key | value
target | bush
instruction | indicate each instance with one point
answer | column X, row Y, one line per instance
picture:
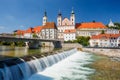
column 83, row 40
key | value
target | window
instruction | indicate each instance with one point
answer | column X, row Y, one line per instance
column 65, row 23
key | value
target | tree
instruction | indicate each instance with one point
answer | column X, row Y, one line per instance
column 83, row 40
column 35, row 36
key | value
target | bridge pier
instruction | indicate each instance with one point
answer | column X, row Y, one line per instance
column 34, row 44
column 57, row 44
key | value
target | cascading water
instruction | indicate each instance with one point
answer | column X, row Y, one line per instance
column 18, row 69
column 71, row 68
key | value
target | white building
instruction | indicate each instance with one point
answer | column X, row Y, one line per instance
column 28, row 33
column 49, row 31
column 105, row 40
column 37, row 31
column 112, row 31
column 65, row 24
column 70, row 35
column 90, row 28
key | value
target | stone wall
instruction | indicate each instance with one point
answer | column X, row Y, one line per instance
column 107, row 52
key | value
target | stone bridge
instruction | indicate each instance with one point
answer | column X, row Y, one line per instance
column 33, row 42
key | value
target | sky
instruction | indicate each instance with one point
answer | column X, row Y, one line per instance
column 22, row 14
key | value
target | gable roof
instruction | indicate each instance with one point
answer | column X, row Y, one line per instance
column 90, row 25
column 37, row 29
column 66, row 22
column 49, row 25
column 29, row 30
column 20, row 32
column 105, row 36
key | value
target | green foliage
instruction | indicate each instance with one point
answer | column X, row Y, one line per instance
column 117, row 26
column 35, row 36
column 83, row 40
column 74, row 41
column 20, row 43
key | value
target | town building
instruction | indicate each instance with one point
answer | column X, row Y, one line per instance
column 70, row 35
column 112, row 31
column 105, row 40
column 89, row 28
column 19, row 33
column 28, row 33
column 37, row 31
column 65, row 24
column 49, row 31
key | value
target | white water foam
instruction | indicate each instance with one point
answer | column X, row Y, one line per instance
column 71, row 68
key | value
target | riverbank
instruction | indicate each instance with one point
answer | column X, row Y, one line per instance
column 101, row 51
column 105, row 68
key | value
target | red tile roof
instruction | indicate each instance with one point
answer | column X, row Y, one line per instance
column 105, row 36
column 29, row 30
column 70, row 31
column 90, row 25
column 37, row 29
column 49, row 25
column 20, row 32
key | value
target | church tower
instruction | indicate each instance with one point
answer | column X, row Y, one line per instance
column 44, row 18
column 111, row 24
column 59, row 19
column 72, row 17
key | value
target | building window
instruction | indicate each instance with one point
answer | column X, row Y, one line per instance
column 72, row 19
column 65, row 23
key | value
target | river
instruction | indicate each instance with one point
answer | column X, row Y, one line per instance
column 7, row 51
column 67, row 65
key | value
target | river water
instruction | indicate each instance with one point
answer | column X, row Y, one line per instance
column 71, row 68
column 7, row 51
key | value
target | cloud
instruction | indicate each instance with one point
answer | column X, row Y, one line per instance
column 22, row 26
column 10, row 17
column 2, row 27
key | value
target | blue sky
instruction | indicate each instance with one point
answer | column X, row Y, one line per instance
column 21, row 14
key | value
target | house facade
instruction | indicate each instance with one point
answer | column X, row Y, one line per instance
column 70, row 35
column 90, row 28
column 49, row 31
column 105, row 40
column 112, row 31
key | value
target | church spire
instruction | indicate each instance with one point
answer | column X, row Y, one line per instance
column 59, row 13
column 72, row 17
column 111, row 24
column 59, row 18
column 72, row 11
column 45, row 18
column 45, row 13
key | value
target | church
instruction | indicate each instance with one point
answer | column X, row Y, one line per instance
column 66, row 27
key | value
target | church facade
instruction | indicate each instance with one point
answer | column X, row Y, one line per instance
column 64, row 24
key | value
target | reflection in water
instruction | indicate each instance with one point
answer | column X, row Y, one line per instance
column 22, row 51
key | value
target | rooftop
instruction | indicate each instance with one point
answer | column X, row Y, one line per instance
column 105, row 36
column 89, row 25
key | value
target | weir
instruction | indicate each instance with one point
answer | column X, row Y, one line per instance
column 21, row 69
